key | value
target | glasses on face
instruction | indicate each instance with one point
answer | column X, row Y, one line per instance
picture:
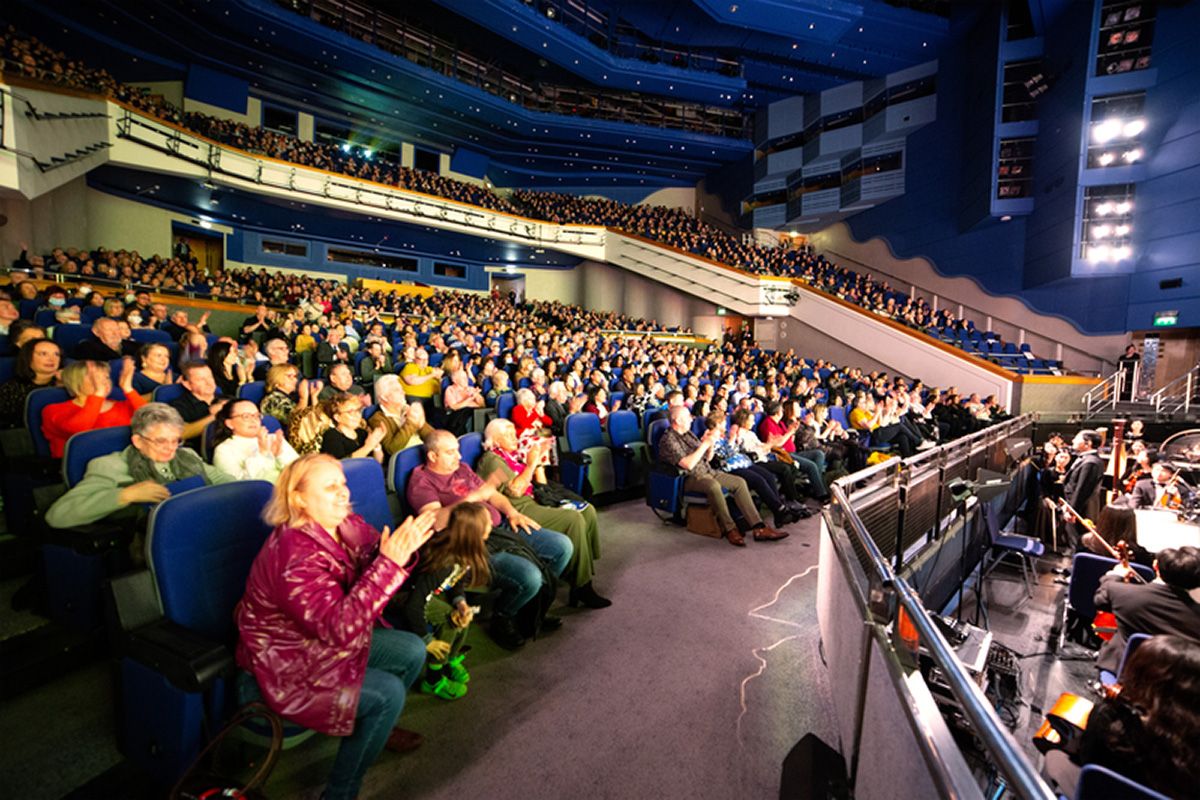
column 246, row 415
column 350, row 410
column 167, row 441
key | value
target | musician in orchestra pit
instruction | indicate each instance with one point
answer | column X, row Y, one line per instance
column 1168, row 604
column 1117, row 523
column 1081, row 488
column 1137, row 465
column 1149, row 731
column 1161, row 489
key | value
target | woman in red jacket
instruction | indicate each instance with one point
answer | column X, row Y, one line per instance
column 89, row 383
column 307, row 621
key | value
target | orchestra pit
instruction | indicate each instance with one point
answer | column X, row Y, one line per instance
column 596, row 398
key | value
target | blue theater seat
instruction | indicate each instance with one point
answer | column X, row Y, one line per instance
column 254, row 391
column 630, row 452
column 176, row 670
column 400, row 467
column 664, row 483
column 470, row 445
column 585, row 437
column 1086, row 571
column 1100, row 783
column 368, row 494
column 35, row 403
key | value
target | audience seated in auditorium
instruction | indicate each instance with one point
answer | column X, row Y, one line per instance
column 154, row 368
column 226, row 365
column 37, row 366
column 1148, row 728
column 287, row 394
column 522, row 478
column 199, row 403
column 308, row 622
column 526, row 558
column 340, row 380
column 728, row 457
column 403, row 423
column 742, row 438
column 460, row 401
column 1169, row 604
column 376, row 362
column 128, row 482
column 421, row 381
column 680, row 448
column 242, row 446
column 433, row 604
column 89, row 383
column 105, row 343
column 781, row 439
column 349, row 436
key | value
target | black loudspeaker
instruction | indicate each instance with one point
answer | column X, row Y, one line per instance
column 813, row 770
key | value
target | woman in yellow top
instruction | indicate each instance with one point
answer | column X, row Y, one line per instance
column 305, row 340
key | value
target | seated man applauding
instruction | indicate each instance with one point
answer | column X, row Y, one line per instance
column 526, row 558
column 680, row 447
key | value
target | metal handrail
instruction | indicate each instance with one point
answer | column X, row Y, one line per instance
column 1189, row 382
column 1021, row 774
column 1104, row 394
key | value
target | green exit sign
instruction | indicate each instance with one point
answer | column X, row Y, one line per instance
column 1165, row 319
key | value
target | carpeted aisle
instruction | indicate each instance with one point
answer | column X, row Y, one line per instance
column 642, row 699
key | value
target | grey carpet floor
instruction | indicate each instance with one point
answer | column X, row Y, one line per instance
column 695, row 683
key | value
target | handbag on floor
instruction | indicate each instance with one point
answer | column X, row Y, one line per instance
column 205, row 780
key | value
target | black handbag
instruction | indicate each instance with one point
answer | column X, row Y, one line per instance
column 204, row 781
column 554, row 494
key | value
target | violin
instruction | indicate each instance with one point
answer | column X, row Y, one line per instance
column 1067, row 719
column 1170, row 499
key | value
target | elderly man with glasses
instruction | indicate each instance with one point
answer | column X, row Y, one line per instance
column 125, row 484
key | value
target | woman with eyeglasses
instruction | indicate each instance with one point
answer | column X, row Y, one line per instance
column 129, row 482
column 350, row 437
column 242, row 446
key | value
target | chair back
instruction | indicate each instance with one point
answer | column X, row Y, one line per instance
column 1086, row 571
column 364, row 478
column 647, row 414
column 35, row 403
column 8, row 367
column 86, row 445
column 654, row 436
column 470, row 445
column 623, row 428
column 505, row 403
column 151, row 335
column 200, row 547
column 254, row 392
column 583, row 431
column 1100, row 783
column 1135, row 641
column 69, row 336
column 401, row 467
column 168, row 393
column 838, row 415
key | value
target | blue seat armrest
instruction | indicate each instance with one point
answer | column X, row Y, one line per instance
column 671, row 470
column 575, row 458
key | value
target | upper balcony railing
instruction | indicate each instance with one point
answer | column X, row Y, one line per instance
column 404, row 39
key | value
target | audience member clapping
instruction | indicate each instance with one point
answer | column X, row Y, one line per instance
column 242, row 446
column 89, row 383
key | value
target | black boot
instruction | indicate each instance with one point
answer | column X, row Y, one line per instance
column 504, row 633
column 586, row 596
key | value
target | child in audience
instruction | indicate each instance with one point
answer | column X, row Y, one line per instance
column 432, row 603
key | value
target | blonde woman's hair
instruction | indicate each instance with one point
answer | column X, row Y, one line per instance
column 492, row 431
column 282, row 509
column 276, row 374
column 73, row 375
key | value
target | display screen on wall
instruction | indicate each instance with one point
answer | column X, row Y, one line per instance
column 295, row 249
column 449, row 270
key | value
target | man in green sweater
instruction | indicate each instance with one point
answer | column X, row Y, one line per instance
column 125, row 484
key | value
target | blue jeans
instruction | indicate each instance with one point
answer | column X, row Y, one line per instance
column 397, row 658
column 517, row 579
column 812, row 464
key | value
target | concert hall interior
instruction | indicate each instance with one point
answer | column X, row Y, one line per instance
column 598, row 398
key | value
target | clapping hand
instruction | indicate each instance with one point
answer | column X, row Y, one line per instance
column 399, row 546
column 125, row 381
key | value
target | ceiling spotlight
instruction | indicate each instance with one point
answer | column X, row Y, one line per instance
column 1121, row 253
column 1006, row 218
column 1107, row 130
column 1101, row 231
column 1124, row 207
column 1133, row 155
column 1134, row 127
column 1098, row 252
column 1121, row 230
column 1106, row 159
column 1104, row 209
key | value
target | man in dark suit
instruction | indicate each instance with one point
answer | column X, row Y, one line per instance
column 104, row 344
column 1081, row 488
column 1158, row 491
column 1166, row 605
